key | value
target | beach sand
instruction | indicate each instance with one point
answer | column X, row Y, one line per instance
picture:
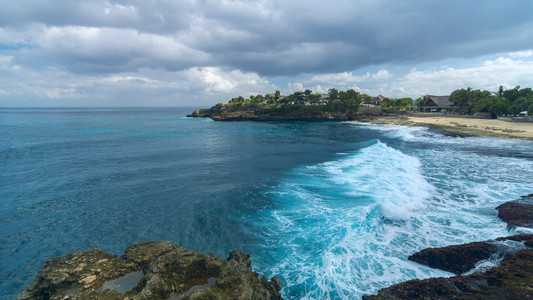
column 465, row 126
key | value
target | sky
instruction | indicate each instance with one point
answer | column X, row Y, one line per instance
column 196, row 53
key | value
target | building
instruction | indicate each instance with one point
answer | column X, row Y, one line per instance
column 436, row 104
column 376, row 101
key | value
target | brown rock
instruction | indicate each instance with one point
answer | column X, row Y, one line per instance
column 456, row 258
column 517, row 213
column 150, row 270
column 513, row 279
column 516, row 238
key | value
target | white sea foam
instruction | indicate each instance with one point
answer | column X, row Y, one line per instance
column 384, row 174
column 344, row 228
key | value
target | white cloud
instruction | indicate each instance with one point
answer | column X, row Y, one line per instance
column 294, row 87
column 216, row 80
column 347, row 78
column 527, row 53
column 381, row 75
column 488, row 75
column 129, row 79
column 195, row 86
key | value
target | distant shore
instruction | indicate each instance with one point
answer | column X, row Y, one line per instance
column 449, row 124
column 464, row 126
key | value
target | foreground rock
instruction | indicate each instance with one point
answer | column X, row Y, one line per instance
column 150, row 270
column 517, row 213
column 513, row 279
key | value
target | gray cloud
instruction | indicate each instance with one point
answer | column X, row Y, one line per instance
column 268, row 37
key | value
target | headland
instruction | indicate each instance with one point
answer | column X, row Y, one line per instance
column 465, row 112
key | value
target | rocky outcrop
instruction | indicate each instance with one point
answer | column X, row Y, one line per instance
column 150, row 270
column 254, row 112
column 459, row 259
column 456, row 258
column 513, row 279
column 517, row 213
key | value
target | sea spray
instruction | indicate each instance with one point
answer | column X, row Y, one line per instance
column 384, row 174
column 337, row 220
column 344, row 228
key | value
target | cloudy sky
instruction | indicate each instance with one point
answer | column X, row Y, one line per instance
column 199, row 52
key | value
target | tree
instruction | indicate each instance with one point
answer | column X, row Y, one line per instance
column 388, row 102
column 314, row 98
column 277, row 95
column 500, row 92
column 404, row 103
column 353, row 100
column 499, row 108
column 343, row 96
column 460, row 98
column 419, row 102
column 512, row 94
column 366, row 98
column 257, row 99
column 269, row 99
column 333, row 94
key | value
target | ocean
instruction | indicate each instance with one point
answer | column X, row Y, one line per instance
column 333, row 209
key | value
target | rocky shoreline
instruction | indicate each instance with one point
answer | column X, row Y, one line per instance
column 150, row 270
column 495, row 269
column 450, row 125
column 477, row 278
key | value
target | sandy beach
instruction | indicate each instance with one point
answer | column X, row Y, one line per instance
column 465, row 126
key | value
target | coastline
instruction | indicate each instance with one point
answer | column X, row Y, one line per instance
column 462, row 126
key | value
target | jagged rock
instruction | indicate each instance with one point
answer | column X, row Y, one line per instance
column 456, row 258
column 517, row 213
column 516, row 238
column 513, row 279
column 150, row 270
column 459, row 259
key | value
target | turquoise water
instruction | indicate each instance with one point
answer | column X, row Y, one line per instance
column 333, row 209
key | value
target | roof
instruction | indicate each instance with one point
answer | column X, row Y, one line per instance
column 440, row 101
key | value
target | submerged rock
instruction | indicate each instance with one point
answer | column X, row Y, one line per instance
column 150, row 270
column 517, row 213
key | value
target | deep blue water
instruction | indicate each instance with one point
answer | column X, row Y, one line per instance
column 333, row 209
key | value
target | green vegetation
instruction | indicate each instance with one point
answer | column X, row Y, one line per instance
column 512, row 101
column 405, row 103
column 305, row 101
column 464, row 101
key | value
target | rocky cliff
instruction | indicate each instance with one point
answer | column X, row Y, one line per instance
column 150, row 270
column 251, row 112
